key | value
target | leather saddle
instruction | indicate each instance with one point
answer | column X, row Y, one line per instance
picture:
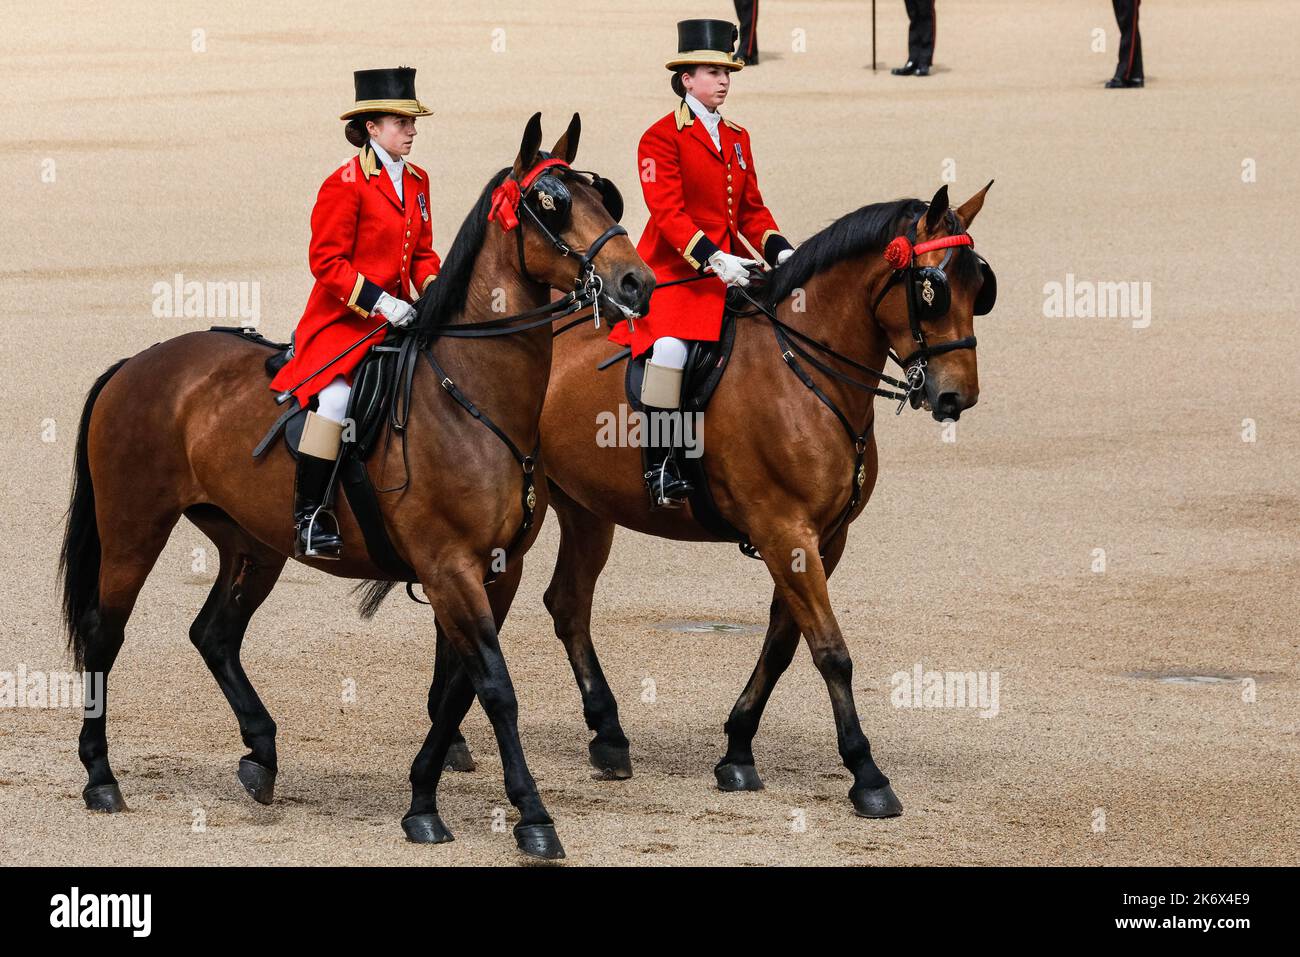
column 373, row 388
column 380, row 386
column 706, row 362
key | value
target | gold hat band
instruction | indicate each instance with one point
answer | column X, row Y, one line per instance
column 705, row 58
column 400, row 107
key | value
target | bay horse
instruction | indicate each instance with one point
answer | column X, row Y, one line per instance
column 789, row 449
column 168, row 433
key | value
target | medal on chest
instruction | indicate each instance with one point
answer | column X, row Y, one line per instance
column 424, row 207
column 740, row 157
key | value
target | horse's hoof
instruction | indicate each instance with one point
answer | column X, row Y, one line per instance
column 738, row 777
column 458, row 758
column 876, row 802
column 426, row 828
column 540, row 841
column 611, row 762
column 106, row 798
column 258, row 780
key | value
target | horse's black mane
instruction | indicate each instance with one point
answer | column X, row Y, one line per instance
column 867, row 229
column 446, row 296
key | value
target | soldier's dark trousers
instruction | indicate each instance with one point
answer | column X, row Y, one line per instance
column 747, row 14
column 1130, row 40
column 921, row 31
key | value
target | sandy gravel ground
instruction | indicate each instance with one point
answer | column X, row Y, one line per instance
column 975, row 555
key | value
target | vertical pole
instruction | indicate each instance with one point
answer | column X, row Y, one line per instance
column 873, row 36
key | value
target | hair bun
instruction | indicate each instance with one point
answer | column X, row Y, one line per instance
column 356, row 133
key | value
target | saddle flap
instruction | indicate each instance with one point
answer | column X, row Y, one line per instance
column 293, row 428
column 368, row 401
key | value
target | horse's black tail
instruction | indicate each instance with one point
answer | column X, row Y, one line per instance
column 373, row 594
column 79, row 557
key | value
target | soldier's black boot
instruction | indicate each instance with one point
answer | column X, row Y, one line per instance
column 661, row 394
column 662, row 478
column 316, row 530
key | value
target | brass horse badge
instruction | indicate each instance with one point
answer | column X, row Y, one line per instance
column 547, row 201
column 927, row 292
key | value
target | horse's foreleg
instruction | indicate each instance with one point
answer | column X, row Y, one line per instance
column 800, row 579
column 736, row 771
column 450, row 696
column 461, row 605
column 249, row 570
column 501, row 593
column 585, row 542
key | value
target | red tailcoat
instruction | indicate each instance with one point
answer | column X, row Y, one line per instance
column 700, row 200
column 363, row 242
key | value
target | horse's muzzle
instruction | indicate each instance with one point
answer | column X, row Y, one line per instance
column 949, row 405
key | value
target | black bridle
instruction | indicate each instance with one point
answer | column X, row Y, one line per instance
column 512, row 197
column 587, row 290
column 928, row 296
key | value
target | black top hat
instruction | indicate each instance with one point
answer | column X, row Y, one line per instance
column 386, row 91
column 707, row 42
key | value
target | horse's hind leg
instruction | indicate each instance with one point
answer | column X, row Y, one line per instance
column 249, row 570
column 128, row 551
column 450, row 697
column 585, row 542
column 736, row 771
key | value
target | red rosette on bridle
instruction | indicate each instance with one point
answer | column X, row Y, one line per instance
column 505, row 203
column 899, row 253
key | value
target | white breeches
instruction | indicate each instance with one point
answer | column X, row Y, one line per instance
column 669, row 352
column 334, row 399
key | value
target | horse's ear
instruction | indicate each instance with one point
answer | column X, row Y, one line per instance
column 528, row 146
column 566, row 147
column 967, row 211
column 938, row 206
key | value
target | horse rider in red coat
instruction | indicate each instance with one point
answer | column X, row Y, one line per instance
column 371, row 243
column 701, row 187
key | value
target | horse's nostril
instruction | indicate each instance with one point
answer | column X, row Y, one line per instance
column 630, row 286
column 948, row 402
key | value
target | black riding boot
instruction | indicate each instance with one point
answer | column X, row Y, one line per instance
column 316, row 530
column 659, row 459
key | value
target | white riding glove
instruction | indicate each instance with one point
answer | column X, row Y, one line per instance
column 400, row 314
column 732, row 270
column 783, row 255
